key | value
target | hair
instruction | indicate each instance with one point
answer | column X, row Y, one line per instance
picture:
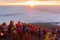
column 11, row 22
column 4, row 24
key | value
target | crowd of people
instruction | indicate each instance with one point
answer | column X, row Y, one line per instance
column 29, row 32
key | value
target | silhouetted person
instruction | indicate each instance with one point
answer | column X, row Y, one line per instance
column 11, row 27
column 5, row 27
column 1, row 28
column 20, row 30
column 12, row 30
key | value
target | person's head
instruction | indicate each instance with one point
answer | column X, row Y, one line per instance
column 3, row 24
column 24, row 24
column 11, row 22
column 18, row 21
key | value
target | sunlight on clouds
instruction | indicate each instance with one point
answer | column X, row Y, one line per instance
column 24, row 0
column 32, row 3
column 12, row 0
column 29, row 2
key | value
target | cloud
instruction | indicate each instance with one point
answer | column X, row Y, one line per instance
column 48, row 0
column 12, row 0
column 24, row 0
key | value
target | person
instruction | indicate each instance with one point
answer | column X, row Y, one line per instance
column 1, row 28
column 19, row 27
column 5, row 27
column 18, row 24
column 58, row 34
column 20, row 30
column 53, row 31
column 42, row 33
column 48, row 36
column 55, row 34
column 24, row 27
column 11, row 27
column 12, row 30
column 38, row 33
column 27, row 29
column 32, row 28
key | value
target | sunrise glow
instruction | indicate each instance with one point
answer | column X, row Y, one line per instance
column 32, row 3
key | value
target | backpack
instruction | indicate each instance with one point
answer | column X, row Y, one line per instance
column 27, row 29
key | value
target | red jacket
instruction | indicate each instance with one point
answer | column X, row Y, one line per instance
column 18, row 25
column 32, row 28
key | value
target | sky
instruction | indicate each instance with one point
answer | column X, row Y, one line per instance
column 30, row 2
column 12, row 0
column 33, row 3
column 24, row 0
